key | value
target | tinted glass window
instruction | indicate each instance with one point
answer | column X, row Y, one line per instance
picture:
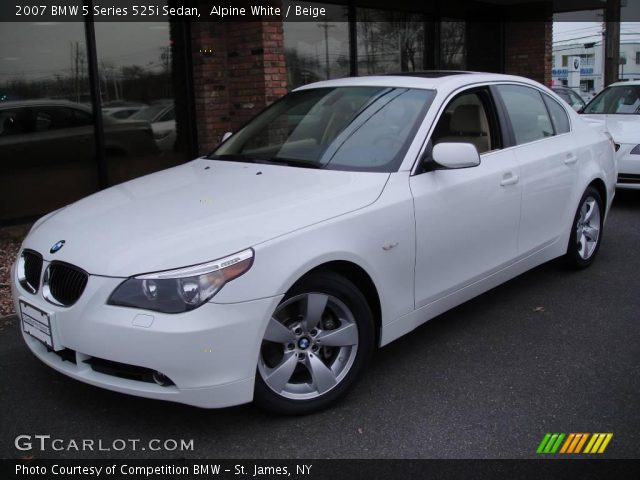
column 465, row 120
column 347, row 128
column 623, row 99
column 527, row 112
column 389, row 41
column 136, row 61
column 576, row 100
column 43, row 165
column 316, row 49
column 558, row 115
column 14, row 121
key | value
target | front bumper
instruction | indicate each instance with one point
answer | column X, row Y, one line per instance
column 628, row 168
column 210, row 354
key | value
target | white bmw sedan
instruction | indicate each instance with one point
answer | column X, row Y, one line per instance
column 617, row 108
column 337, row 220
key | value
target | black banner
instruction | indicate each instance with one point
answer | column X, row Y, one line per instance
column 322, row 469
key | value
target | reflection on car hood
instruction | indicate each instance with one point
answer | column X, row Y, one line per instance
column 623, row 128
column 197, row 212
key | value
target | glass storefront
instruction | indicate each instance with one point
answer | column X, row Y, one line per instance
column 453, row 51
column 368, row 41
column 47, row 144
column 389, row 41
column 48, row 137
column 317, row 51
column 136, row 83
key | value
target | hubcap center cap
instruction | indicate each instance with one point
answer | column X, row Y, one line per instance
column 304, row 343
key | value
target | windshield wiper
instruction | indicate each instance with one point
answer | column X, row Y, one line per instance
column 232, row 158
column 292, row 162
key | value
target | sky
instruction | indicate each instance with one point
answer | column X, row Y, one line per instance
column 585, row 32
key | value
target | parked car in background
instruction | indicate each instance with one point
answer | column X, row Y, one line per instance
column 162, row 117
column 617, row 107
column 57, row 131
column 337, row 220
column 121, row 113
column 570, row 96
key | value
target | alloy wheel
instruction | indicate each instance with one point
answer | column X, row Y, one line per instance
column 309, row 346
column 588, row 228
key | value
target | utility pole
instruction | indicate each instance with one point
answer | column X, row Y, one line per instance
column 612, row 42
column 326, row 26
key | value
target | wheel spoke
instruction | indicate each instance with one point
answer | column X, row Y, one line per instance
column 278, row 333
column 591, row 233
column 316, row 303
column 583, row 212
column 583, row 247
column 590, row 204
column 340, row 337
column 279, row 376
column 323, row 377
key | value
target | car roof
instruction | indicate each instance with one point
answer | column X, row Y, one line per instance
column 42, row 103
column 433, row 80
column 628, row 82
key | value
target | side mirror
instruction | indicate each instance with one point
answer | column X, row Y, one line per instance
column 226, row 135
column 456, row 155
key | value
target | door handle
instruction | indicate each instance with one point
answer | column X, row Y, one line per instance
column 509, row 179
column 570, row 159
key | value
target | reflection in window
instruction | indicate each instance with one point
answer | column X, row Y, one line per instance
column 453, row 45
column 389, row 41
column 529, row 116
column 137, row 86
column 317, row 51
column 47, row 146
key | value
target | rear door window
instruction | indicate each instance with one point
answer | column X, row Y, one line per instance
column 527, row 112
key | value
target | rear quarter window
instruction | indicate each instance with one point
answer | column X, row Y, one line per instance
column 527, row 112
column 558, row 114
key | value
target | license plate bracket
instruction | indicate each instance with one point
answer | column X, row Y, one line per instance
column 38, row 324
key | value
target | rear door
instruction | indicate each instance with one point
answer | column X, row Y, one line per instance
column 548, row 159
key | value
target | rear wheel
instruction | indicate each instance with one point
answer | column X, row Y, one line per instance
column 316, row 344
column 586, row 231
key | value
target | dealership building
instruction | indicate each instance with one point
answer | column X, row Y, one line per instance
column 89, row 104
column 591, row 65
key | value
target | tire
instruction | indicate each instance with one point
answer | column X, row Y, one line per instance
column 586, row 230
column 316, row 345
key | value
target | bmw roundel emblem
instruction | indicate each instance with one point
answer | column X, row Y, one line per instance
column 57, row 246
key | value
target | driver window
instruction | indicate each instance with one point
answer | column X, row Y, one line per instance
column 465, row 120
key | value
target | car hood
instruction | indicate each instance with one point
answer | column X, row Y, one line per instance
column 197, row 212
column 623, row 128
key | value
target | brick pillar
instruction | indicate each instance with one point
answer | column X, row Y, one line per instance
column 528, row 49
column 239, row 69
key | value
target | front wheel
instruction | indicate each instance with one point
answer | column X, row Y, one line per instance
column 316, row 344
column 586, row 231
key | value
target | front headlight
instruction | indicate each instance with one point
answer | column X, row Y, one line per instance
column 183, row 289
column 635, row 150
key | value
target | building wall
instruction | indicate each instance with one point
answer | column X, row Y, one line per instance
column 528, row 49
column 238, row 69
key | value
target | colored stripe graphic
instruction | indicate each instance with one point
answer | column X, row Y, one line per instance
column 597, row 443
column 550, row 443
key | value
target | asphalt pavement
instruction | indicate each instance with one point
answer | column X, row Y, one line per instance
column 550, row 351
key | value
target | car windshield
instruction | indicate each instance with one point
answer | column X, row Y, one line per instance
column 342, row 128
column 148, row 113
column 622, row 99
